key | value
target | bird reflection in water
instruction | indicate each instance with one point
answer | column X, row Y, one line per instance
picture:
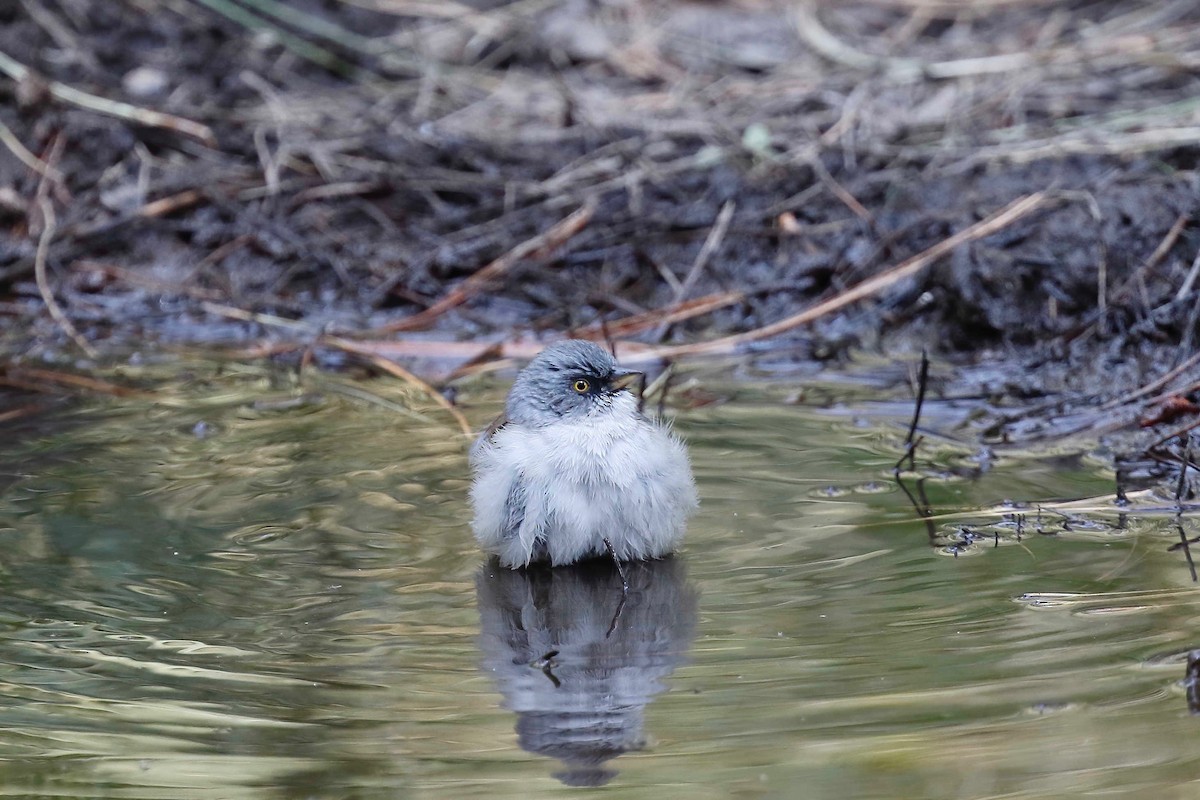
column 578, row 661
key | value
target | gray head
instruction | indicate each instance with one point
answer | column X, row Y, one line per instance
column 573, row 378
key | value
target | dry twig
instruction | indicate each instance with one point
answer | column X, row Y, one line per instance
column 113, row 108
column 392, row 368
column 1155, row 385
column 27, row 158
column 85, row 382
column 543, row 244
column 996, row 222
column 685, row 310
column 49, row 225
column 712, row 243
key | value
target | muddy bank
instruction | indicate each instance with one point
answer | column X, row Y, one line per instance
column 260, row 175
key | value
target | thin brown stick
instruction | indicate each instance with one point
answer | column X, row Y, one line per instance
column 170, row 204
column 637, row 351
column 263, row 350
column 1191, row 426
column 392, row 368
column 1137, row 279
column 1158, row 255
column 479, row 367
column 27, row 158
column 685, row 310
column 447, row 350
column 151, row 210
column 1160, row 252
column 840, row 192
column 541, row 245
column 329, row 191
column 232, row 312
column 49, row 225
column 993, row 224
column 712, row 243
column 79, row 381
column 217, row 255
column 135, row 278
column 1126, row 144
column 1190, row 280
column 1153, row 385
column 113, row 108
column 21, row 411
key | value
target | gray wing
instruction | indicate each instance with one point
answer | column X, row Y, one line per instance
column 485, row 438
column 514, row 503
column 514, row 507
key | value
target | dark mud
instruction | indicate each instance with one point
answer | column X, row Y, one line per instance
column 353, row 166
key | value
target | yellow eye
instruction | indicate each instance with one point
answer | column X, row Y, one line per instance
column 581, row 386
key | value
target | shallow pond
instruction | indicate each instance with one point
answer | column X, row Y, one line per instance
column 233, row 590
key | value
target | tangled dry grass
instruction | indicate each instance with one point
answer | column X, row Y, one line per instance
column 452, row 181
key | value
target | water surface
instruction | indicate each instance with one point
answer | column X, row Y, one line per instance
column 227, row 593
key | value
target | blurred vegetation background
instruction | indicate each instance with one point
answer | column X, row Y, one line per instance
column 664, row 173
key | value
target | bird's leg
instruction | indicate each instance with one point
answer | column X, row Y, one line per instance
column 617, row 562
column 624, row 588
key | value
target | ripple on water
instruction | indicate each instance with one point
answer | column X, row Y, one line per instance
column 293, row 599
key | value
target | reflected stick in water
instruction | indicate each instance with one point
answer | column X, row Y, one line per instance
column 911, row 443
column 1186, row 545
column 577, row 683
column 919, row 501
column 922, row 508
column 1184, row 463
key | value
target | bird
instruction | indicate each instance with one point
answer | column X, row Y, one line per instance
column 573, row 470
